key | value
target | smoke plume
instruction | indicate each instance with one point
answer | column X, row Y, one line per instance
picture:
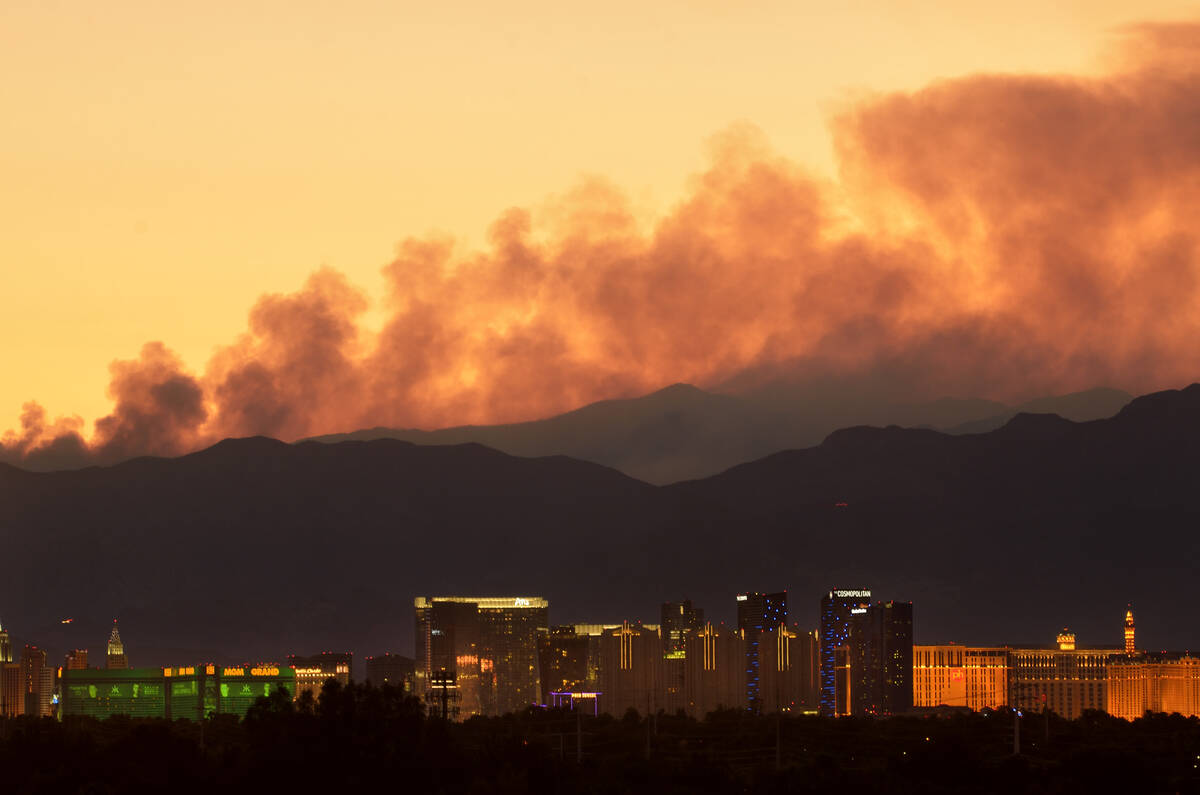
column 991, row 236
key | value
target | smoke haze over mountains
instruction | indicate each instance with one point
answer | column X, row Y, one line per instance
column 1002, row 237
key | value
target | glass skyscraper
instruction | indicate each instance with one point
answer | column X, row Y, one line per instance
column 837, row 608
column 490, row 643
column 881, row 659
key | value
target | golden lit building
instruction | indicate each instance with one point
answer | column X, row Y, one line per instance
column 12, row 694
column 788, row 671
column 115, row 660
column 1153, row 684
column 76, row 660
column 715, row 670
column 960, row 676
column 313, row 672
column 1130, row 645
column 1066, row 680
column 631, row 670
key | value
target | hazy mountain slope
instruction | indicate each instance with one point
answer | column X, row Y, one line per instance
column 257, row 548
column 684, row 433
column 236, row 547
column 1003, row 536
column 1093, row 404
column 676, row 433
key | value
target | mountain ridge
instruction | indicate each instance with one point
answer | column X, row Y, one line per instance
column 254, row 548
column 682, row 432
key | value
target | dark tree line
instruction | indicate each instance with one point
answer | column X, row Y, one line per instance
column 356, row 737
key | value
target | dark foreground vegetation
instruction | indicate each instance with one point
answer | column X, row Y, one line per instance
column 359, row 737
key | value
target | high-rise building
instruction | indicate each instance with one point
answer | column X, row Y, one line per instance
column 789, row 671
column 569, row 658
column 12, row 699
column 490, row 643
column 880, row 653
column 759, row 616
column 960, row 676
column 76, row 660
column 1130, row 645
column 313, row 671
column 12, row 691
column 563, row 656
column 715, row 670
column 37, row 682
column 837, row 607
column 678, row 619
column 392, row 669
column 116, row 659
column 631, row 669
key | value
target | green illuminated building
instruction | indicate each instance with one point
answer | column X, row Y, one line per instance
column 191, row 692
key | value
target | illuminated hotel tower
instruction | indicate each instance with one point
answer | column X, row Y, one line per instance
column 489, row 643
column 116, row 651
column 837, row 607
column 1129, row 645
column 759, row 617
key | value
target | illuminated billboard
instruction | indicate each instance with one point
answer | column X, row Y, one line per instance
column 191, row 692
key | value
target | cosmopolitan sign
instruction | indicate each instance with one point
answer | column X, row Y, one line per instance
column 852, row 594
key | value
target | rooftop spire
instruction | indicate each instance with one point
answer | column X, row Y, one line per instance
column 116, row 650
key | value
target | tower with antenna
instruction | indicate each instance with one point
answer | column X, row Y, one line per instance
column 116, row 651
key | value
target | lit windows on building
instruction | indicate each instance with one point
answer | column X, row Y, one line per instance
column 960, row 676
column 1065, row 679
column 1153, row 683
column 313, row 671
column 115, row 659
column 677, row 619
column 490, row 643
column 193, row 692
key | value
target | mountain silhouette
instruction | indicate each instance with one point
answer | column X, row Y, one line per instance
column 253, row 549
column 683, row 433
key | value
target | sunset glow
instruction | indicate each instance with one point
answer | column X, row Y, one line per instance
column 730, row 202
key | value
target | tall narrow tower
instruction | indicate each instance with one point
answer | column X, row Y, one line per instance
column 5, row 646
column 116, row 651
column 1129, row 644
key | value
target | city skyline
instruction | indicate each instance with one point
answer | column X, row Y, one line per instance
column 616, row 667
column 679, row 397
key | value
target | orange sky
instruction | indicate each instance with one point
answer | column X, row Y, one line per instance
column 165, row 165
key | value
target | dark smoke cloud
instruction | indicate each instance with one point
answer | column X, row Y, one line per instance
column 993, row 236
